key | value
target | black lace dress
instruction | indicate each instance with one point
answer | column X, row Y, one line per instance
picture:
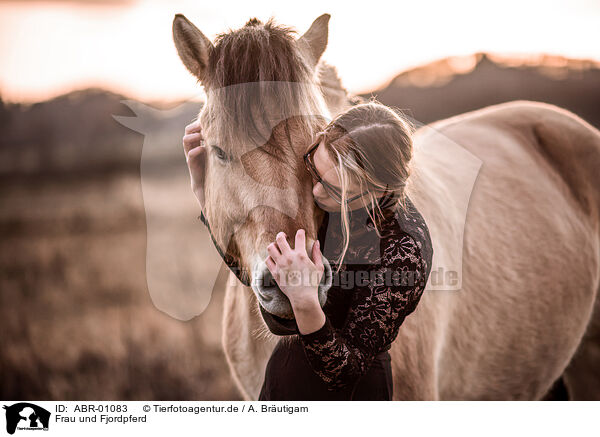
column 378, row 285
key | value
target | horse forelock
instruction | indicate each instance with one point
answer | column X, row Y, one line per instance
column 258, row 76
column 256, row 52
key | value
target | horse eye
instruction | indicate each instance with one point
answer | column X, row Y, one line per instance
column 221, row 153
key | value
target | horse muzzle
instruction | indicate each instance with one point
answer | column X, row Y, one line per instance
column 273, row 300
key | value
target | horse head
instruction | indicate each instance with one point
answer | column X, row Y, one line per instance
column 263, row 107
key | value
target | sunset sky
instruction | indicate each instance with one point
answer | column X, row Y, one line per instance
column 48, row 48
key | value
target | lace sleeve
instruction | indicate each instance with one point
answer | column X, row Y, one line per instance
column 380, row 304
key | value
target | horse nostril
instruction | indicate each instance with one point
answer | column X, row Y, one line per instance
column 266, row 285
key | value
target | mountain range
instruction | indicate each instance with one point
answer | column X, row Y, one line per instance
column 77, row 131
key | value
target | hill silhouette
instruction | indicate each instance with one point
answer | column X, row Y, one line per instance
column 439, row 89
column 76, row 132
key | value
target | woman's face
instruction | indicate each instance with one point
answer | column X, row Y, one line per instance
column 326, row 169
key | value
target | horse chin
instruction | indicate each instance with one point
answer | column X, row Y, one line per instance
column 273, row 300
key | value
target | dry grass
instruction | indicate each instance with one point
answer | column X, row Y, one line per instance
column 77, row 319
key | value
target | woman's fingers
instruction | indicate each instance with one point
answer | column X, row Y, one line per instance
column 300, row 243
column 272, row 267
column 316, row 255
column 195, row 156
column 283, row 245
column 274, row 252
column 196, row 161
column 194, row 126
column 191, row 141
column 193, row 136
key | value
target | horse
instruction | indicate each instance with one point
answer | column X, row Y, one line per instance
column 526, row 313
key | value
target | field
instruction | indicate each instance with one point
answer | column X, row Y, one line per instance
column 78, row 319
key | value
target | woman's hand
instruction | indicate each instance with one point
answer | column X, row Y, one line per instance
column 195, row 156
column 298, row 278
column 296, row 274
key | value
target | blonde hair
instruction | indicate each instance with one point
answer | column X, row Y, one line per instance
column 372, row 145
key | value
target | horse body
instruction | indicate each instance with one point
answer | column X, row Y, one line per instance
column 531, row 259
column 531, row 269
column 526, row 239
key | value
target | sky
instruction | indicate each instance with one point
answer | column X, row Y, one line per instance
column 48, row 48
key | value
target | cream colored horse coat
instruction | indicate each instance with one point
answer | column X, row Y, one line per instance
column 529, row 264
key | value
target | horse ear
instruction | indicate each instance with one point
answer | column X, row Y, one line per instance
column 314, row 41
column 193, row 47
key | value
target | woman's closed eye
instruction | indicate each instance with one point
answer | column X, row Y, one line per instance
column 337, row 191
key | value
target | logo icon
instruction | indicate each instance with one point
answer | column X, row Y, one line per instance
column 26, row 416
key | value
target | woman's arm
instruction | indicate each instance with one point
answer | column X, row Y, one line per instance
column 379, row 307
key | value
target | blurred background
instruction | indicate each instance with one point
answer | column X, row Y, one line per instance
column 76, row 317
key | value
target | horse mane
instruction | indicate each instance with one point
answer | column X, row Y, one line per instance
column 336, row 96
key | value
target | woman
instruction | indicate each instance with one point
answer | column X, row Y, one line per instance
column 378, row 246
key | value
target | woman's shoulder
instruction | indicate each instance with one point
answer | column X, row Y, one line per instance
column 398, row 247
column 406, row 231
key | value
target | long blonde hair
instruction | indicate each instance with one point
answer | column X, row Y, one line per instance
column 372, row 145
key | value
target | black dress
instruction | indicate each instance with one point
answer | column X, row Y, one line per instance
column 348, row 358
